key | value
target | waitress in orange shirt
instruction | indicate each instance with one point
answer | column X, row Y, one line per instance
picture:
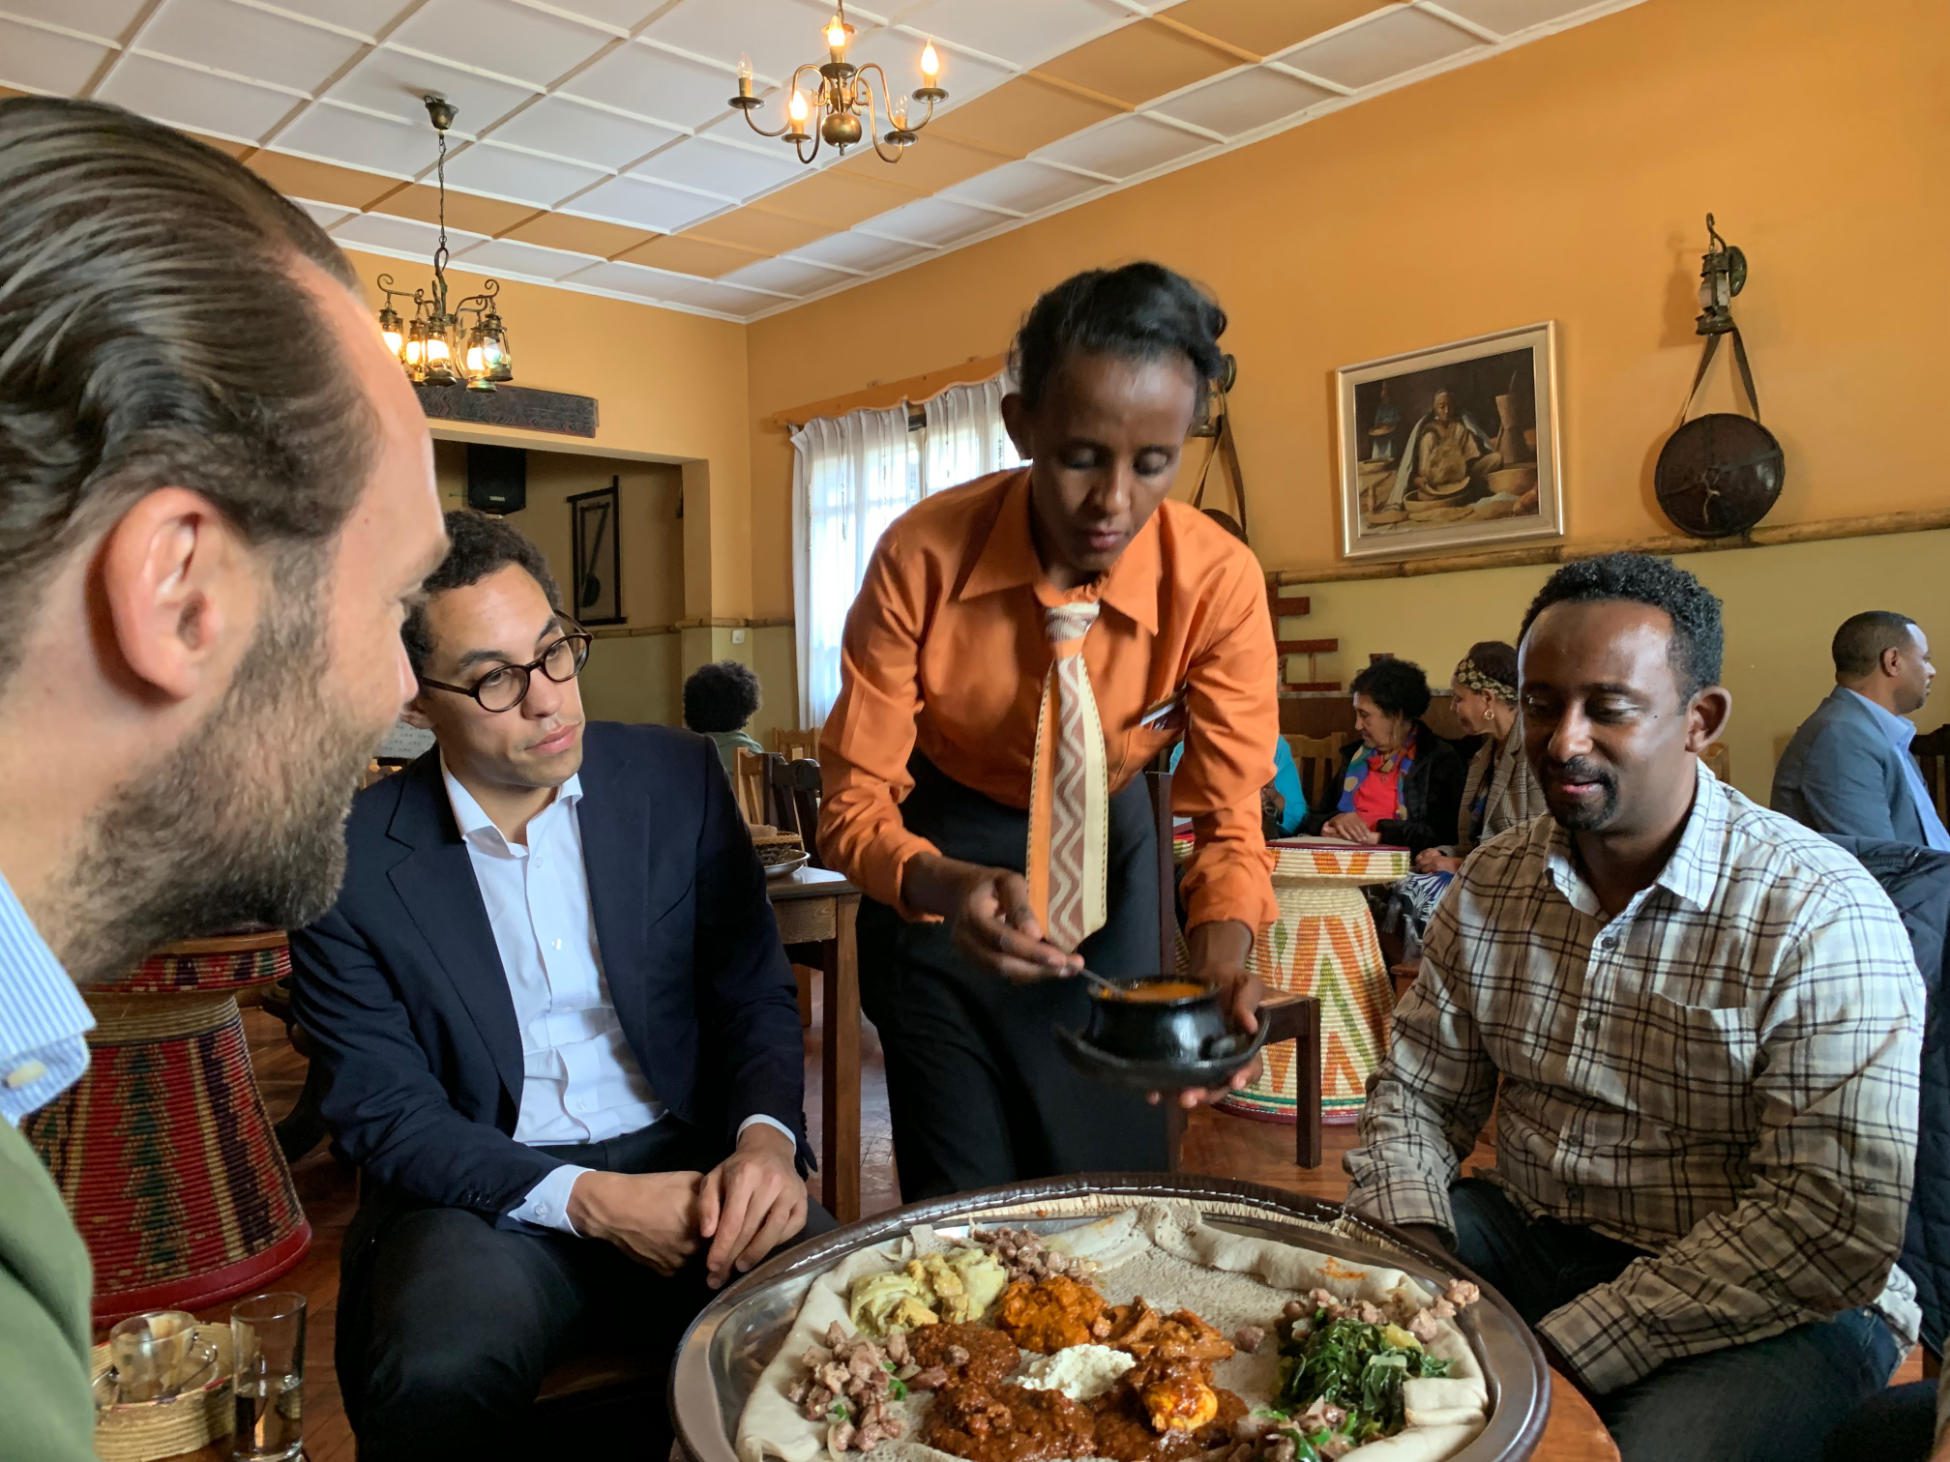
column 1022, row 647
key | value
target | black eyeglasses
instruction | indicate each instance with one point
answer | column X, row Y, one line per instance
column 506, row 686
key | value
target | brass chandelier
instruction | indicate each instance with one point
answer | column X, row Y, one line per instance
column 842, row 108
column 439, row 346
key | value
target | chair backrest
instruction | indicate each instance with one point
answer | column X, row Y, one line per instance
column 751, row 786
column 795, row 795
column 796, row 743
column 1719, row 761
column 1318, row 760
column 1158, row 783
column 1932, row 753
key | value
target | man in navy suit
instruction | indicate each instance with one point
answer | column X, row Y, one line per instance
column 1848, row 770
column 559, row 1028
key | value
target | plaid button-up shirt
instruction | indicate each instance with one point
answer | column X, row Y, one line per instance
column 1725, row 1074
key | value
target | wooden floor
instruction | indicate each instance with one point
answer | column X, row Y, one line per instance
column 1259, row 1152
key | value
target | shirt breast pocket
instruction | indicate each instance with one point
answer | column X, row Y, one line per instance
column 1696, row 1064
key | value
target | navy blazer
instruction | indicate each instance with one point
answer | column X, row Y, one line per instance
column 1840, row 776
column 401, row 988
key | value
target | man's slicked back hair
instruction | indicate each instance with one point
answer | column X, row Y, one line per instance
column 153, row 332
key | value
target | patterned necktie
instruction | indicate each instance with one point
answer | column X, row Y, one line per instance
column 1069, row 797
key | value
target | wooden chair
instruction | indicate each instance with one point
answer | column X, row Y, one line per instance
column 752, row 787
column 796, row 743
column 1719, row 761
column 1293, row 1018
column 1932, row 753
column 795, row 789
column 1318, row 761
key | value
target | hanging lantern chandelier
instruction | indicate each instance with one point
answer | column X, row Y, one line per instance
column 842, row 103
column 443, row 344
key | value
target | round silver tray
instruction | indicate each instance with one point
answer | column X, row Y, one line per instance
column 738, row 1333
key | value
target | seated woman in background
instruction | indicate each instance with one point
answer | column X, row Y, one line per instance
column 1282, row 801
column 1402, row 784
column 718, row 701
column 1499, row 790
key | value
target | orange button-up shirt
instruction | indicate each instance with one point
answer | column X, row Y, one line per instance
column 945, row 650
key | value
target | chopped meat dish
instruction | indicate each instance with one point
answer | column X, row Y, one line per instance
column 1049, row 1315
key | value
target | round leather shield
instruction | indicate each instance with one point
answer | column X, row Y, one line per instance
column 1719, row 474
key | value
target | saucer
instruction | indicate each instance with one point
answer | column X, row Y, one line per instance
column 1155, row 1075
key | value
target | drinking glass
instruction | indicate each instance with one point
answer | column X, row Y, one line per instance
column 268, row 1333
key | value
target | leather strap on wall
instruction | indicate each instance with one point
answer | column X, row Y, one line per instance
column 1706, row 359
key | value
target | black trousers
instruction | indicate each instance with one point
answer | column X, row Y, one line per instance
column 980, row 1091
column 447, row 1324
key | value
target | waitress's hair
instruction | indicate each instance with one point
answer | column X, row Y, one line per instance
column 1139, row 311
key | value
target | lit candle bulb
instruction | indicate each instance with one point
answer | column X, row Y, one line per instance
column 930, row 63
column 898, row 111
column 836, row 35
column 797, row 110
column 744, row 76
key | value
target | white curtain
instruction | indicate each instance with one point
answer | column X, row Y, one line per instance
column 965, row 438
column 851, row 477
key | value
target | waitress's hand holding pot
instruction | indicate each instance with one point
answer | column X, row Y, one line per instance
column 988, row 911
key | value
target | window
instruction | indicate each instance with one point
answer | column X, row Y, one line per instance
column 853, row 475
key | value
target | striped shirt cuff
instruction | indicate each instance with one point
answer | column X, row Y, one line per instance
column 1601, row 1341
column 1405, row 1199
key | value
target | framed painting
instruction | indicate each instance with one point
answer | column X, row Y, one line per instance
column 596, row 593
column 1452, row 447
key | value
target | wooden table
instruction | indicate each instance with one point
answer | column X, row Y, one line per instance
column 1572, row 1432
column 816, row 906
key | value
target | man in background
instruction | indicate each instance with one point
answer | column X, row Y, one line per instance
column 719, row 702
column 204, row 565
column 1848, row 769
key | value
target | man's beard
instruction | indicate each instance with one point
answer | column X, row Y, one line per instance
column 1585, row 814
column 242, row 824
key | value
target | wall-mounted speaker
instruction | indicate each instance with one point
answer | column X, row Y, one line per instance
column 497, row 478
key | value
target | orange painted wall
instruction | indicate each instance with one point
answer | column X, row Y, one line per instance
column 669, row 385
column 1567, row 180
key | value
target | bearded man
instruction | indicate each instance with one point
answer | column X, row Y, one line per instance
column 205, row 560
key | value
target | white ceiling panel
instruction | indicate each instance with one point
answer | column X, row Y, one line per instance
column 1389, row 43
column 586, row 133
column 1244, row 101
column 933, row 221
column 402, row 235
column 631, row 279
column 723, row 298
column 394, row 83
column 39, row 60
column 370, row 18
column 860, row 251
column 109, row 19
column 525, row 177
column 717, row 167
column 1023, row 32
column 1125, row 147
column 645, row 204
column 1024, row 187
column 253, row 43
column 623, row 15
column 788, row 276
column 1509, row 16
column 777, row 34
column 658, row 84
column 356, row 139
column 494, row 35
column 197, row 100
column 505, row 255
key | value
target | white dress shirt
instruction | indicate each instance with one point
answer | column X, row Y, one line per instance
column 580, row 1080
column 43, row 1019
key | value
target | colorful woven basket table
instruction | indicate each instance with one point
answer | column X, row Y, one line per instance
column 1323, row 944
column 163, row 1151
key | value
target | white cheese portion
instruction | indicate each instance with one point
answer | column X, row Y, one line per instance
column 1081, row 1372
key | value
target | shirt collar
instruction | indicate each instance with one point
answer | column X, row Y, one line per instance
column 1899, row 729
column 476, row 826
column 1692, row 872
column 42, row 1007
column 1007, row 560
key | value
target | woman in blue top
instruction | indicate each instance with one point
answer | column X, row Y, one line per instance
column 1282, row 801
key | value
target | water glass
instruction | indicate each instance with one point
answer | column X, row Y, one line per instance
column 268, row 1333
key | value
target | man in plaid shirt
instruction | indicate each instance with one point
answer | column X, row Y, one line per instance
column 1704, row 1023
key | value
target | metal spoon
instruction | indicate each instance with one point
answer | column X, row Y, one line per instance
column 1108, row 986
